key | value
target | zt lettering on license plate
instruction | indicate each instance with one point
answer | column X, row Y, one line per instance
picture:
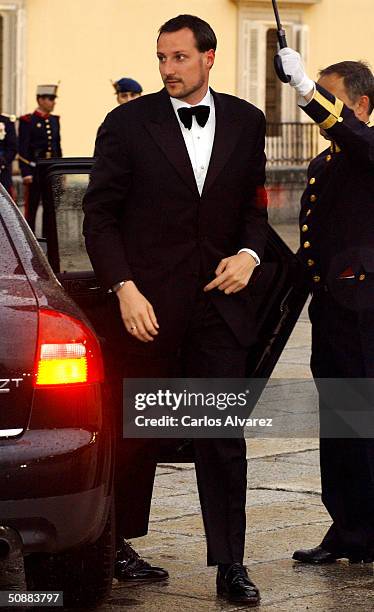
column 7, row 384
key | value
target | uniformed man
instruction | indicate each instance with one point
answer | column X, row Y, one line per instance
column 8, row 150
column 39, row 138
column 127, row 89
column 337, row 247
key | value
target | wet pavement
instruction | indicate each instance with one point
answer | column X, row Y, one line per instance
column 284, row 512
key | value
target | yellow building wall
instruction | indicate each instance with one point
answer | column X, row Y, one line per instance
column 85, row 43
column 340, row 30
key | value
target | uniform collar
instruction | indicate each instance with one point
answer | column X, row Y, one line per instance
column 39, row 113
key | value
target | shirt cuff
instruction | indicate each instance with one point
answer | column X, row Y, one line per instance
column 253, row 253
column 301, row 101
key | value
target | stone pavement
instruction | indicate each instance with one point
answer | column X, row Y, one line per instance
column 284, row 511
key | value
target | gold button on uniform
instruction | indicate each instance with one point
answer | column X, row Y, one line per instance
column 306, row 245
column 304, row 228
column 328, row 158
column 312, row 181
column 310, row 263
column 313, row 198
column 316, row 278
column 362, row 277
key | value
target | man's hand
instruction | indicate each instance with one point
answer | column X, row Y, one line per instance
column 137, row 313
column 293, row 67
column 27, row 180
column 233, row 273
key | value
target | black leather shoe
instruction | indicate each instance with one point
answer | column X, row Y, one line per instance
column 234, row 584
column 367, row 557
column 130, row 567
column 316, row 556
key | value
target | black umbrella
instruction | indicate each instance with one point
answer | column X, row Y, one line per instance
column 282, row 44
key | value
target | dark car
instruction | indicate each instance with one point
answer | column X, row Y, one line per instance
column 56, row 449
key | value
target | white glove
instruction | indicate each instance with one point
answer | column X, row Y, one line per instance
column 293, row 67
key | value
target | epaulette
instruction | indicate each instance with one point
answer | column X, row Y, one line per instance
column 26, row 117
column 11, row 118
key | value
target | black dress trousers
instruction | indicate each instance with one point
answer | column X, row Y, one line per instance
column 209, row 350
column 342, row 348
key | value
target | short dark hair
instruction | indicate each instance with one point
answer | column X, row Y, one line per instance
column 204, row 35
column 358, row 79
column 48, row 96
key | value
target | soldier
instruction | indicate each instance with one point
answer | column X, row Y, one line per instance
column 127, row 89
column 8, row 150
column 337, row 247
column 39, row 138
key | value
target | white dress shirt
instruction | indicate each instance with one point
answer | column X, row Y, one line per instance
column 199, row 140
column 199, row 143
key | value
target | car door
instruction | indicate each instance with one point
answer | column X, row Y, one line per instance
column 279, row 287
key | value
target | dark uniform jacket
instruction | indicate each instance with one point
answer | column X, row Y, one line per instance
column 145, row 219
column 8, row 149
column 39, row 138
column 337, row 246
column 337, row 212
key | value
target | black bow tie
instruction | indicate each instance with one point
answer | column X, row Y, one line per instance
column 201, row 113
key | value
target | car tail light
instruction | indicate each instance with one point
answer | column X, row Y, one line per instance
column 67, row 353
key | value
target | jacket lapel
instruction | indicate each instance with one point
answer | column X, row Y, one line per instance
column 227, row 133
column 165, row 130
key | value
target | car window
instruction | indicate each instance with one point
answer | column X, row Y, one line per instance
column 9, row 263
column 68, row 191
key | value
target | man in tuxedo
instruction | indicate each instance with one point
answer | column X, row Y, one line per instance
column 337, row 247
column 175, row 224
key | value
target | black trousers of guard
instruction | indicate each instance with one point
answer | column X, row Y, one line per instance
column 343, row 347
column 209, row 350
column 33, row 196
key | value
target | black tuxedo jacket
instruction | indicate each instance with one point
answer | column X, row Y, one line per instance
column 145, row 219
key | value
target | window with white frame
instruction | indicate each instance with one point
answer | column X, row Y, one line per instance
column 257, row 81
column 12, row 76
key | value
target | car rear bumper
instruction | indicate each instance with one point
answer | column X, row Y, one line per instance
column 55, row 524
column 56, row 486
